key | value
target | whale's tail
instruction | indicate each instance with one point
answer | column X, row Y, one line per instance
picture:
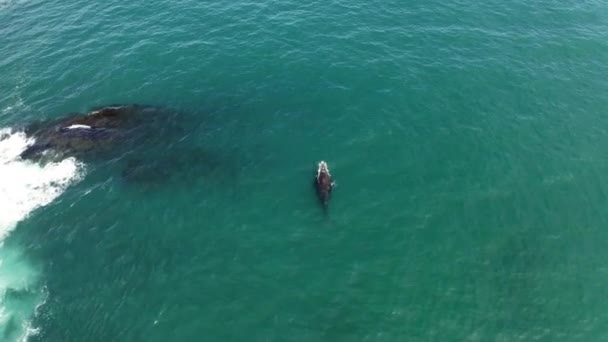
column 325, row 210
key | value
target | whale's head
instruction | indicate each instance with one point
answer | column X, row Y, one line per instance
column 323, row 169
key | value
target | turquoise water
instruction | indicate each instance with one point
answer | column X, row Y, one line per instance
column 467, row 140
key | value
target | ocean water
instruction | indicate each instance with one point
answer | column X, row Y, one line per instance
column 468, row 141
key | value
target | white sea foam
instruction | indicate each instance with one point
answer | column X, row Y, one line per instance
column 24, row 187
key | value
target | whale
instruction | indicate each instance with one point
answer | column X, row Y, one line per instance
column 324, row 184
column 147, row 144
column 81, row 134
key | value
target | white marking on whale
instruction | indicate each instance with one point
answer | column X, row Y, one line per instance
column 78, row 126
column 323, row 168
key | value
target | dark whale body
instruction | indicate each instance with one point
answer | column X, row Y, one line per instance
column 323, row 184
column 149, row 143
column 98, row 130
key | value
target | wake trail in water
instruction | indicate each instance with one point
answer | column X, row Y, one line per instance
column 24, row 187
